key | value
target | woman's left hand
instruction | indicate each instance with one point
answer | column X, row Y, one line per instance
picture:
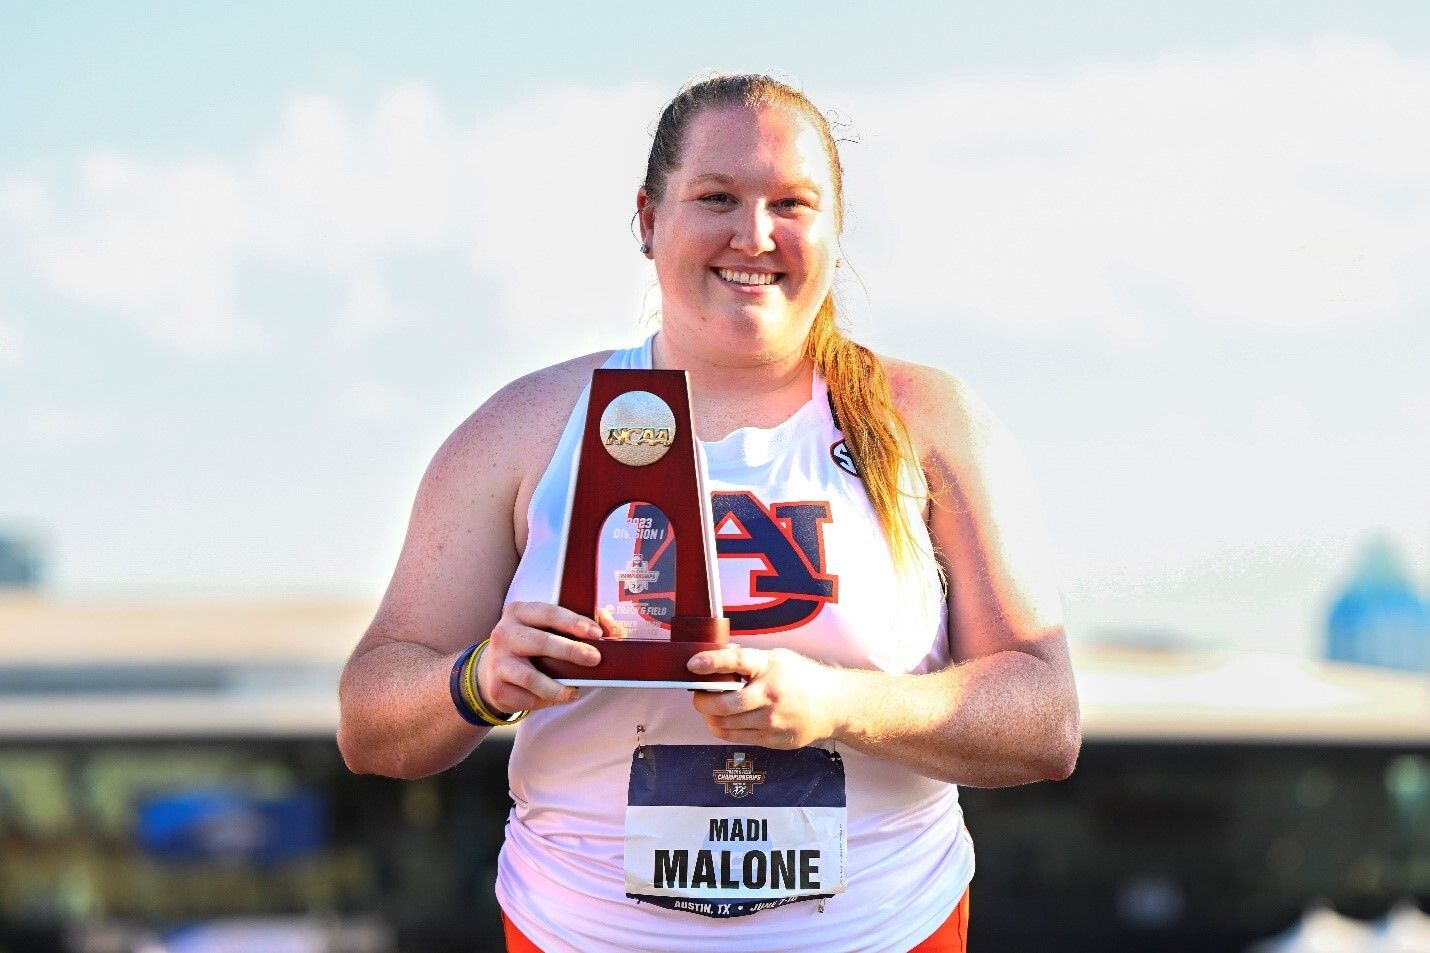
column 788, row 701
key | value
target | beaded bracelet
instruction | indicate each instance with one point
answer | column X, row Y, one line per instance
column 468, row 700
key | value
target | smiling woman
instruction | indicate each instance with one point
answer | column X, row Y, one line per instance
column 884, row 576
column 740, row 235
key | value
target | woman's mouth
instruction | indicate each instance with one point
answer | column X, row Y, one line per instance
column 747, row 279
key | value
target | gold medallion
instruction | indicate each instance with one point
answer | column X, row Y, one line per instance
column 637, row 428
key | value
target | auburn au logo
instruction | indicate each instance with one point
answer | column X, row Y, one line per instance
column 788, row 538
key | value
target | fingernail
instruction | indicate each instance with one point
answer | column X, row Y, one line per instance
column 698, row 664
column 592, row 629
column 592, row 657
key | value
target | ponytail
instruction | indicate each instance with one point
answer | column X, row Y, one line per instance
column 873, row 431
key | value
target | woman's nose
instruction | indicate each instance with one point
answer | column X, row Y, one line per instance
column 754, row 231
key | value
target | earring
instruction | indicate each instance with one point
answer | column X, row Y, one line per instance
column 645, row 249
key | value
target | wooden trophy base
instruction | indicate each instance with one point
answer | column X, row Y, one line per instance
column 643, row 663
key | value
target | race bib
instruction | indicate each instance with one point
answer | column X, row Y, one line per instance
column 729, row 830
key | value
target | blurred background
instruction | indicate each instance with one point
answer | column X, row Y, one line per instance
column 256, row 261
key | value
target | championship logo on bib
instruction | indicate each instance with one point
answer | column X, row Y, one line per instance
column 739, row 776
column 726, row 831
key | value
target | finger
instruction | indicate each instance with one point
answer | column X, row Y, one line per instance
column 501, row 695
column 512, row 699
column 610, row 628
column 523, row 675
column 525, row 701
column 750, row 736
column 757, row 720
column 504, row 694
column 732, row 659
column 498, row 693
column 724, row 704
column 538, row 643
column 553, row 618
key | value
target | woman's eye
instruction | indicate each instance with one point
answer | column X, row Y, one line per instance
column 717, row 198
column 794, row 203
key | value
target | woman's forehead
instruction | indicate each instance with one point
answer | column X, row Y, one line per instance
column 769, row 140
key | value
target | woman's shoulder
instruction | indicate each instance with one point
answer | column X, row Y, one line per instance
column 548, row 392
column 522, row 422
column 536, row 398
column 961, row 443
column 941, row 410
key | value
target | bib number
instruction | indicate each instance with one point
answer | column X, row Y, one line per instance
column 727, row 831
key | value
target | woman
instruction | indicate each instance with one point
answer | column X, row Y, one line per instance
column 848, row 487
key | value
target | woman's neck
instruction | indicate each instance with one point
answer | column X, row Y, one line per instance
column 727, row 398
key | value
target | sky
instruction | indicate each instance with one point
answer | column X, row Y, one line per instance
column 258, row 260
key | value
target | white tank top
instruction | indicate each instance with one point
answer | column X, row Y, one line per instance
column 803, row 565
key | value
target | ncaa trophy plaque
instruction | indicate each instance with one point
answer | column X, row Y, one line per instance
column 638, row 498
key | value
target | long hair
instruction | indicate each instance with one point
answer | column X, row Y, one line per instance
column 859, row 388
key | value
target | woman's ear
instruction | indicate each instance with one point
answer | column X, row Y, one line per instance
column 645, row 220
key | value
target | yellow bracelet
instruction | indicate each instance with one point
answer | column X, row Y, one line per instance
column 474, row 697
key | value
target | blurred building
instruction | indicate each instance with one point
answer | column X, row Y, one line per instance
column 1380, row 618
column 169, row 773
column 21, row 565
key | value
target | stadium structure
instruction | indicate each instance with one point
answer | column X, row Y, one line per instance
column 169, row 781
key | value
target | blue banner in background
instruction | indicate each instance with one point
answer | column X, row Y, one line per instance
column 230, row 825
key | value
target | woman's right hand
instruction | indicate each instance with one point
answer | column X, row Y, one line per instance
column 506, row 678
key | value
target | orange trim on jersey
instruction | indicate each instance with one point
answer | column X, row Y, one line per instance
column 516, row 941
column 951, row 937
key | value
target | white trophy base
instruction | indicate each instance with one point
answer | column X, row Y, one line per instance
column 637, row 683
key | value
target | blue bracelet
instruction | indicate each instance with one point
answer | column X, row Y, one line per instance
column 455, row 683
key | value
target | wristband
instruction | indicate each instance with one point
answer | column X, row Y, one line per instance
column 454, row 682
column 469, row 699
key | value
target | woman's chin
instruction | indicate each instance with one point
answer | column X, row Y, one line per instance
column 756, row 318
column 756, row 334
column 760, row 339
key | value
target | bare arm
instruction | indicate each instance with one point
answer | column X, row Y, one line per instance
column 447, row 592
column 1006, row 711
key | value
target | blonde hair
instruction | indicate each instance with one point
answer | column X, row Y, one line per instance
column 859, row 388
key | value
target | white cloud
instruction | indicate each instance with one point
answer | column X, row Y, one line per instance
column 163, row 243
column 107, row 173
column 341, row 193
column 557, row 180
column 12, row 344
column 536, row 199
column 1282, row 188
column 1284, row 417
column 161, row 249
column 366, row 405
column 1285, row 188
column 23, row 198
column 367, row 315
column 51, row 427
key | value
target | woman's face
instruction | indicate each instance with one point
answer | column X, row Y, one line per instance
column 744, row 239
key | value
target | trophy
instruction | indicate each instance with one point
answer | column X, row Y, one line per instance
column 638, row 497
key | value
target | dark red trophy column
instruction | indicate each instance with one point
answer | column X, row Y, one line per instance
column 673, row 483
